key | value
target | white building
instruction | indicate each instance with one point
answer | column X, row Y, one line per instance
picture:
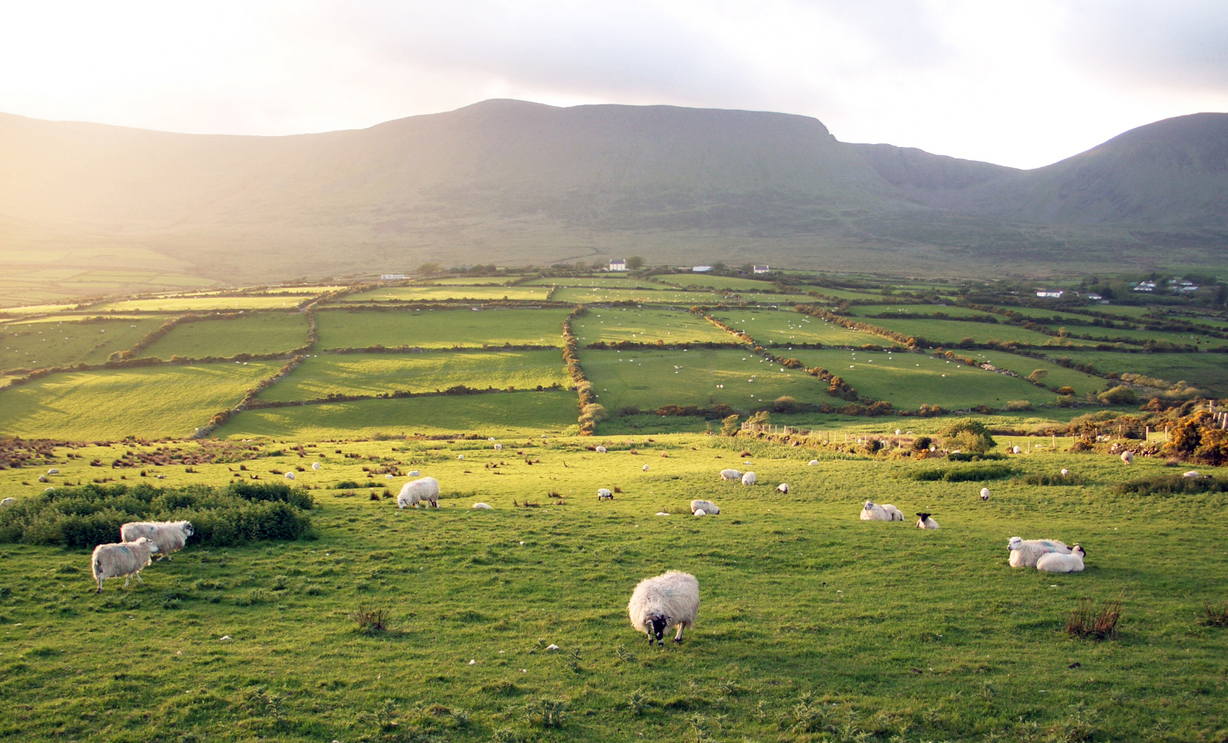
column 1050, row 293
column 391, row 276
column 701, row 269
column 618, row 265
column 762, row 269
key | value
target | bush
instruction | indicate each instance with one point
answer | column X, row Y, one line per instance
column 1171, row 485
column 922, row 443
column 1018, row 405
column 1119, row 395
column 964, row 474
column 967, row 435
column 1098, row 625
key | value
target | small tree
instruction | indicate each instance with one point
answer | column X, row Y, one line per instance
column 429, row 269
column 635, row 263
column 968, row 435
column 729, row 426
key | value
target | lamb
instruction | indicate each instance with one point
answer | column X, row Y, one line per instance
column 482, row 506
column 895, row 513
column 730, row 475
column 1055, row 562
column 1025, row 553
column 170, row 536
column 663, row 601
column 53, row 471
column 783, row 487
column 984, row 493
column 415, row 473
column 1016, row 450
column 701, row 512
column 707, row 506
column 126, row 559
column 601, row 450
column 425, row 490
column 8, row 502
column 925, row 522
column 460, row 458
column 1127, row 457
column 871, row 511
column 748, row 478
column 605, row 494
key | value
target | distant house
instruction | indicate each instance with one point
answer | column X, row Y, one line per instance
column 391, row 276
column 618, row 265
column 1145, row 286
column 761, row 269
column 701, row 269
column 1050, row 293
column 1095, row 297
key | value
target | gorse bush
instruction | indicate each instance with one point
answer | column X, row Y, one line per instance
column 92, row 514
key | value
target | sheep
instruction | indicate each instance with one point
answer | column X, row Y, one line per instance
column 289, row 475
column 895, row 513
column 1065, row 472
column 601, row 450
column 783, row 487
column 315, row 465
column 460, row 457
column 644, row 468
column 1025, row 553
column 984, row 493
column 415, row 473
column 498, row 447
column 700, row 512
column 8, row 502
column 748, row 478
column 53, row 471
column 482, row 506
column 925, row 522
column 1191, row 473
column 605, row 494
column 706, row 506
column 1055, row 562
column 1127, row 457
column 170, row 536
column 730, row 475
column 1016, row 450
column 663, row 601
column 126, row 559
column 870, row 511
column 812, row 462
column 425, row 490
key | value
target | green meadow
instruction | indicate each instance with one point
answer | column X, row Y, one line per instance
column 661, row 295
column 1054, row 375
column 201, row 303
column 1204, row 370
column 49, row 342
column 866, row 310
column 254, row 333
column 598, row 282
column 952, row 332
column 783, row 327
column 430, row 328
column 378, row 374
column 445, row 293
column 720, row 283
column 150, row 402
column 616, row 324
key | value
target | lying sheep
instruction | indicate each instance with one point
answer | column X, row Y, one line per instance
column 1025, row 553
column 925, row 522
column 605, row 494
column 663, row 601
column 1056, row 562
column 1191, row 473
column 812, row 462
column 601, row 450
column 748, row 478
column 289, row 475
column 53, row 471
column 482, row 506
column 425, row 490
column 1127, row 457
column 707, row 506
column 460, row 458
column 731, row 475
column 895, row 513
column 414, row 473
column 871, row 511
column 170, row 536
column 783, row 487
column 124, row 559
column 315, row 465
column 700, row 512
column 8, row 502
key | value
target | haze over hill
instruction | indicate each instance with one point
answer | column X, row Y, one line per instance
column 512, row 183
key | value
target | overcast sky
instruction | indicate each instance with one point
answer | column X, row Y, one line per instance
column 1022, row 83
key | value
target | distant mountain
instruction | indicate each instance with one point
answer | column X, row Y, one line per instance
column 513, row 183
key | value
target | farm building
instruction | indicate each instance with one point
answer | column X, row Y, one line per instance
column 618, row 265
column 762, row 269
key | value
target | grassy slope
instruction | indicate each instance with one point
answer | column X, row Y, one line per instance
column 439, row 328
column 33, row 345
column 439, row 293
column 922, row 635
column 646, row 326
column 661, row 295
column 257, row 333
column 203, row 303
column 1205, row 370
column 112, row 404
column 784, row 326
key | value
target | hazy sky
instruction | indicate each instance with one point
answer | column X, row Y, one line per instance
column 1021, row 83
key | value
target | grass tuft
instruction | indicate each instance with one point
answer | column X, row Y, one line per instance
column 1215, row 615
column 1086, row 621
column 371, row 621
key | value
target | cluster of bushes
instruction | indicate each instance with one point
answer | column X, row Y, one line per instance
column 1171, row 485
column 659, row 344
column 1198, row 438
column 965, row 474
column 590, row 411
column 742, row 336
column 92, row 514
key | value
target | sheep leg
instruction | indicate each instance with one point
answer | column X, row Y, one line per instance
column 138, row 577
column 126, row 579
column 678, row 637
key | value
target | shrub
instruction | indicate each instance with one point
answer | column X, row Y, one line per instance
column 371, row 621
column 729, row 426
column 1018, row 405
column 967, row 435
column 1215, row 615
column 964, row 474
column 1086, row 621
column 1119, row 395
column 1048, row 479
column 922, row 443
column 1171, row 485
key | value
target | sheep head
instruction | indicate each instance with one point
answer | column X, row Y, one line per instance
column 659, row 622
column 868, row 505
column 1078, row 549
column 1014, row 544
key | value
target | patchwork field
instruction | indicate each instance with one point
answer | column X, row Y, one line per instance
column 952, row 332
column 615, row 324
column 254, row 333
column 439, row 328
column 663, row 295
column 378, row 374
column 866, row 310
column 719, row 283
column 609, row 282
column 49, row 342
column 785, row 326
column 1055, row 375
column 150, row 402
column 444, row 293
column 1205, row 370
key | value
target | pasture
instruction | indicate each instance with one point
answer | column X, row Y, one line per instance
column 439, row 328
column 379, row 374
column 813, row 625
column 615, row 324
column 418, row 293
column 48, row 342
column 866, row 310
column 952, row 332
column 178, row 304
column 783, row 327
column 1208, row 371
column 598, row 282
column 718, row 283
column 662, row 295
column 252, row 333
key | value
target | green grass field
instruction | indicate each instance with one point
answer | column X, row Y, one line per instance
column 865, row 310
column 615, row 324
column 201, row 303
column 48, row 342
column 601, row 282
column 439, row 328
column 497, row 414
column 1055, row 376
column 845, row 293
column 718, row 283
column 813, row 625
column 150, row 402
column 785, row 326
column 662, row 295
column 255, row 333
column 1208, row 371
column 951, row 332
column 444, row 293
column 377, row 374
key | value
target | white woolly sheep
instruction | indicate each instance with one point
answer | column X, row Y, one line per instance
column 1191, row 473
column 812, row 462
column 731, row 475
column 895, row 513
column 871, row 511
column 1016, row 450
column 8, row 502
column 425, row 490
column 1065, row 472
column 315, row 465
column 53, row 471
column 289, row 475
column 601, row 450
column 124, row 559
column 460, row 457
column 663, row 601
column 414, row 473
column 170, row 536
column 984, row 493
column 1025, row 553
column 1127, row 457
column 925, row 522
column 644, row 468
column 783, row 487
column 706, row 506
column 498, row 447
column 700, row 512
column 605, row 494
column 1055, row 562
column 748, row 478
column 482, row 506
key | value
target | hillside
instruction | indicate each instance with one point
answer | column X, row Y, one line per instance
column 516, row 183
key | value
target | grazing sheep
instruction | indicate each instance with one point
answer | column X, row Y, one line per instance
column 663, row 601
column 1025, row 553
column 8, row 502
column 1055, row 562
column 984, row 493
column 783, row 487
column 289, row 475
column 925, row 522
column 414, row 473
column 644, row 468
column 601, row 450
column 662, row 513
column 124, row 559
column 425, row 490
column 170, row 536
column 1065, row 472
column 871, row 511
column 706, row 506
column 498, row 447
column 482, row 506
column 812, row 462
column 1127, row 457
column 315, row 465
column 730, row 475
column 605, row 494
column 895, row 513
column 748, row 478
column 53, row 471
column 1016, row 450
column 460, row 458
column 1191, row 473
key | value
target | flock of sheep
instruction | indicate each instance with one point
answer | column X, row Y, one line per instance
column 141, row 541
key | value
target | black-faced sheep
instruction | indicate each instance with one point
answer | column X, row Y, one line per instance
column 783, row 487
column 1127, row 457
column 663, row 601
column 925, row 522
column 984, row 493
column 125, row 559
column 1025, row 552
column 605, row 494
column 425, row 490
column 1056, row 562
column 170, row 536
